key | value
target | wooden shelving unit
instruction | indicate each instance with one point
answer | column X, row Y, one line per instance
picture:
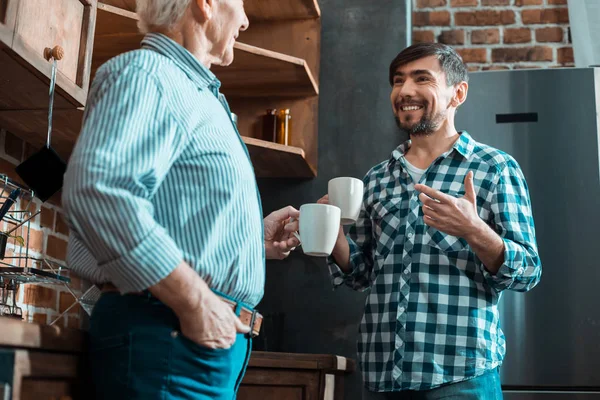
column 276, row 68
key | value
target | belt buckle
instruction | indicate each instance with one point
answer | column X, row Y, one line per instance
column 252, row 320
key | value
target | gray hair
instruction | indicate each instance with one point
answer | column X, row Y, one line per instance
column 160, row 13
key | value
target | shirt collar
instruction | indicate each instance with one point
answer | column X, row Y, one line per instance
column 198, row 73
column 464, row 146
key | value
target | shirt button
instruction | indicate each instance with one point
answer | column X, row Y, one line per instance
column 401, row 309
column 174, row 334
column 410, row 235
column 520, row 271
column 406, row 271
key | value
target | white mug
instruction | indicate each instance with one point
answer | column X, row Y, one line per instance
column 347, row 194
column 319, row 228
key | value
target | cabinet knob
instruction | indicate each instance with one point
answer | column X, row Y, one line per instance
column 56, row 52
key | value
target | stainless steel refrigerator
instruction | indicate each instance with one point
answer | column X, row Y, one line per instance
column 549, row 121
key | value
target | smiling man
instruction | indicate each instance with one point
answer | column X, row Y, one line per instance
column 446, row 226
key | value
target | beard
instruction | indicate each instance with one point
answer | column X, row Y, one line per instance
column 425, row 126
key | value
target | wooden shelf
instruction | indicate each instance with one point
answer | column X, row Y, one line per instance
column 257, row 72
column 272, row 160
column 273, row 10
column 269, row 159
column 258, row 10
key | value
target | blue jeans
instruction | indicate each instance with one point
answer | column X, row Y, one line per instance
column 138, row 352
column 482, row 387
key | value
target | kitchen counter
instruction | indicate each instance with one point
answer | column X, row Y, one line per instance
column 44, row 362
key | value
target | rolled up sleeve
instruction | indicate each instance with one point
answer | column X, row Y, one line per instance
column 513, row 221
column 126, row 147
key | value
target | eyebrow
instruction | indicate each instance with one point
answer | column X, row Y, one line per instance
column 414, row 73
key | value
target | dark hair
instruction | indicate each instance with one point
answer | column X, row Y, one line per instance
column 450, row 62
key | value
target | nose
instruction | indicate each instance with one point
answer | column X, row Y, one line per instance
column 245, row 23
column 408, row 88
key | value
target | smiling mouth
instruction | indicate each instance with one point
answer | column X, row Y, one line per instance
column 410, row 107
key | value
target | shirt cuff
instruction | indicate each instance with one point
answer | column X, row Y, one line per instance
column 512, row 268
column 145, row 265
column 339, row 277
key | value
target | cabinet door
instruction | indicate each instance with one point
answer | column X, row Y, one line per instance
column 27, row 28
column 277, row 384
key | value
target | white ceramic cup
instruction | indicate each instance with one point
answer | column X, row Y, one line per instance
column 319, row 227
column 347, row 194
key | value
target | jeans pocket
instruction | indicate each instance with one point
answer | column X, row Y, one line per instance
column 195, row 347
column 111, row 365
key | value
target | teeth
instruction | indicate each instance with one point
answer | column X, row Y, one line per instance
column 411, row 108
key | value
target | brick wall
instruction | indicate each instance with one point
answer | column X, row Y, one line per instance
column 498, row 34
column 48, row 234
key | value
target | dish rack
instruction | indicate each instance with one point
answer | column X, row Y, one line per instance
column 18, row 267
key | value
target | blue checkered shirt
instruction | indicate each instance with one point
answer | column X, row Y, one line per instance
column 431, row 316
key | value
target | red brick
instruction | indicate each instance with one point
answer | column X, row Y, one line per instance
column 545, row 16
column 473, row 55
column 36, row 239
column 75, row 282
column 528, row 2
column 40, row 318
column 473, row 68
column 485, row 36
column 47, row 218
column 484, row 17
column 423, row 37
column 13, row 146
column 565, row 55
column 455, row 36
column 431, row 18
column 557, row 2
column 494, row 68
column 56, row 247
column 554, row 34
column 463, row 3
column 495, row 2
column 61, row 224
column 66, row 300
column 519, row 54
column 430, row 3
column 40, row 296
column 517, row 35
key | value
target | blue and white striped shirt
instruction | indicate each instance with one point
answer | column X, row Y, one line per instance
column 160, row 175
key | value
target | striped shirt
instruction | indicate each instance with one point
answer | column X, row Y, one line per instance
column 431, row 316
column 160, row 175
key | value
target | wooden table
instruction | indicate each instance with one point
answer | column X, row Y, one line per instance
column 49, row 363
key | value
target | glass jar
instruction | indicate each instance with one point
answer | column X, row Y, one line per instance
column 269, row 125
column 284, row 127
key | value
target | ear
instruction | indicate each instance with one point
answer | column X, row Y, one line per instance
column 203, row 9
column 460, row 94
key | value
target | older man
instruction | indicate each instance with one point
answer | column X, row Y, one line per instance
column 165, row 214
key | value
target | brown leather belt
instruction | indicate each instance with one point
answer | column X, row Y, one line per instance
column 247, row 316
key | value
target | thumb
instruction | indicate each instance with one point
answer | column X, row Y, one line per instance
column 240, row 326
column 470, row 188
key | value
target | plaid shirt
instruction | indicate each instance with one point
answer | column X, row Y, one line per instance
column 431, row 316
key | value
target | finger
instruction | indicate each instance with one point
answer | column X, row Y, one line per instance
column 293, row 242
column 430, row 221
column 428, row 201
column 324, row 200
column 291, row 226
column 433, row 193
column 470, row 188
column 427, row 211
column 240, row 326
column 284, row 213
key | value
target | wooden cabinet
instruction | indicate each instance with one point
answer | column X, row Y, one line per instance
column 49, row 363
column 288, row 376
column 27, row 28
column 276, row 66
column 41, row 362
